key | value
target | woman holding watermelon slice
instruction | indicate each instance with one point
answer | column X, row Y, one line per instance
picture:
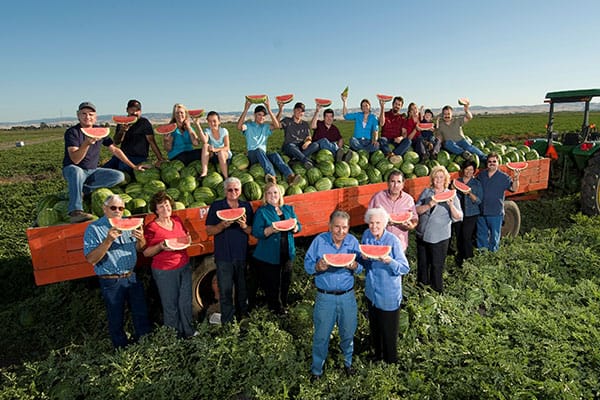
column 275, row 250
column 171, row 269
column 434, row 228
column 383, row 285
column 469, row 201
column 180, row 143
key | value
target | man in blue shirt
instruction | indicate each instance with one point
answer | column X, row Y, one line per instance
column 113, row 253
column 336, row 301
column 493, row 182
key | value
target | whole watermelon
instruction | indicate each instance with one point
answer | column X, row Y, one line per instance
column 342, row 169
column 98, row 197
column 252, row 191
column 187, row 184
column 240, row 161
column 313, row 175
column 48, row 217
column 323, row 184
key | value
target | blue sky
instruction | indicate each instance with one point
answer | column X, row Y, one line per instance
column 210, row 54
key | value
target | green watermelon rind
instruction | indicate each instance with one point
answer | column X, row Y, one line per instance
column 347, row 258
column 384, row 97
column 256, row 98
column 401, row 217
column 180, row 243
column 323, row 102
column 460, row 186
column 284, row 98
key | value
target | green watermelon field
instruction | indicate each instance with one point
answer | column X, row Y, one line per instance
column 522, row 323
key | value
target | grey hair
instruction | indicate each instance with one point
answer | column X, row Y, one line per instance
column 339, row 214
column 112, row 197
column 231, row 179
column 377, row 211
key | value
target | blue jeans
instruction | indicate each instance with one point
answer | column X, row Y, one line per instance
column 175, row 289
column 488, row 231
column 329, row 310
column 363, row 144
column 115, row 163
column 399, row 148
column 462, row 146
column 295, row 152
column 230, row 274
column 327, row 145
column 117, row 292
column 267, row 160
column 80, row 180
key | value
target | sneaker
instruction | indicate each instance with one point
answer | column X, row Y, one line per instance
column 293, row 179
column 314, row 378
column 79, row 216
column 339, row 155
column 347, row 156
column 467, row 155
column 308, row 164
column 349, row 371
column 270, row 178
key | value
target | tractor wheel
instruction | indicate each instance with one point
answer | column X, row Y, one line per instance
column 590, row 187
column 202, row 284
column 512, row 219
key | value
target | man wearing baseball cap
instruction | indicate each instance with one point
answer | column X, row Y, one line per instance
column 135, row 140
column 80, row 162
column 297, row 142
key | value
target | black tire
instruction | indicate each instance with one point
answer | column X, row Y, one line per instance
column 512, row 219
column 202, row 284
column 590, row 187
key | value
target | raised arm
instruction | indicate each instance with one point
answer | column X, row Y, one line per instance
column 274, row 120
column 468, row 115
column 381, row 113
column 315, row 118
column 344, row 105
column 242, row 119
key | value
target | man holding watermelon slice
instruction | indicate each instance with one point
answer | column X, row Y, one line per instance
column 297, row 142
column 391, row 123
column 80, row 162
column 135, row 140
column 450, row 129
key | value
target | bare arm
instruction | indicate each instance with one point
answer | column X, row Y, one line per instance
column 274, row 119
column 381, row 113
column 117, row 152
column 77, row 154
column 468, row 115
column 315, row 118
column 515, row 183
column 280, row 112
column 242, row 119
column 344, row 105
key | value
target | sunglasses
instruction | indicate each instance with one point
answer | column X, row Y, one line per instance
column 115, row 208
column 233, row 190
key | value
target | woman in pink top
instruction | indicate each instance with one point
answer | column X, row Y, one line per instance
column 171, row 269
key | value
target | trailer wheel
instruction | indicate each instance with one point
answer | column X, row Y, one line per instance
column 202, row 284
column 590, row 187
column 512, row 219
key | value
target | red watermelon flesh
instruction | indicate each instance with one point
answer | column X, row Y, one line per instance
column 196, row 113
column 124, row 119
column 461, row 186
column 126, row 224
column 401, row 217
column 444, row 196
column 96, row 133
column 256, row 98
column 231, row 214
column 464, row 101
column 517, row 166
column 284, row 98
column 165, row 129
column 179, row 243
column 323, row 102
column 375, row 251
column 339, row 260
column 425, row 126
column 285, row 225
column 385, row 98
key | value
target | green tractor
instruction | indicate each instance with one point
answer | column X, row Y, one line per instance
column 575, row 156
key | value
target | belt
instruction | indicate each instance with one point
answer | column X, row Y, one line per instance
column 334, row 292
column 116, row 276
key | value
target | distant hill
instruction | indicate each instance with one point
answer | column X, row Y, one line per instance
column 158, row 118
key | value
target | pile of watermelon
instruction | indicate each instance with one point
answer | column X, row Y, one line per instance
column 183, row 183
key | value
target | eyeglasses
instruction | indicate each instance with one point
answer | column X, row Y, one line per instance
column 233, row 190
column 115, row 208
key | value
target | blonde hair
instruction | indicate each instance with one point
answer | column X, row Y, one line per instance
column 268, row 186
column 443, row 170
column 175, row 107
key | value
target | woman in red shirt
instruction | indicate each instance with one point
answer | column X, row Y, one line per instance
column 171, row 269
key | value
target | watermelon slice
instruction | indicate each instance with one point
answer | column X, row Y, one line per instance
column 425, row 126
column 165, row 129
column 444, row 196
column 126, row 224
column 374, row 251
column 517, row 166
column 96, row 133
column 285, row 225
column 284, row 98
column 339, row 260
column 124, row 119
column 196, row 113
column 464, row 101
column 256, row 98
column 179, row 243
column 231, row 214
column 345, row 92
column 463, row 187
column 401, row 217
column 385, row 98
column 323, row 102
